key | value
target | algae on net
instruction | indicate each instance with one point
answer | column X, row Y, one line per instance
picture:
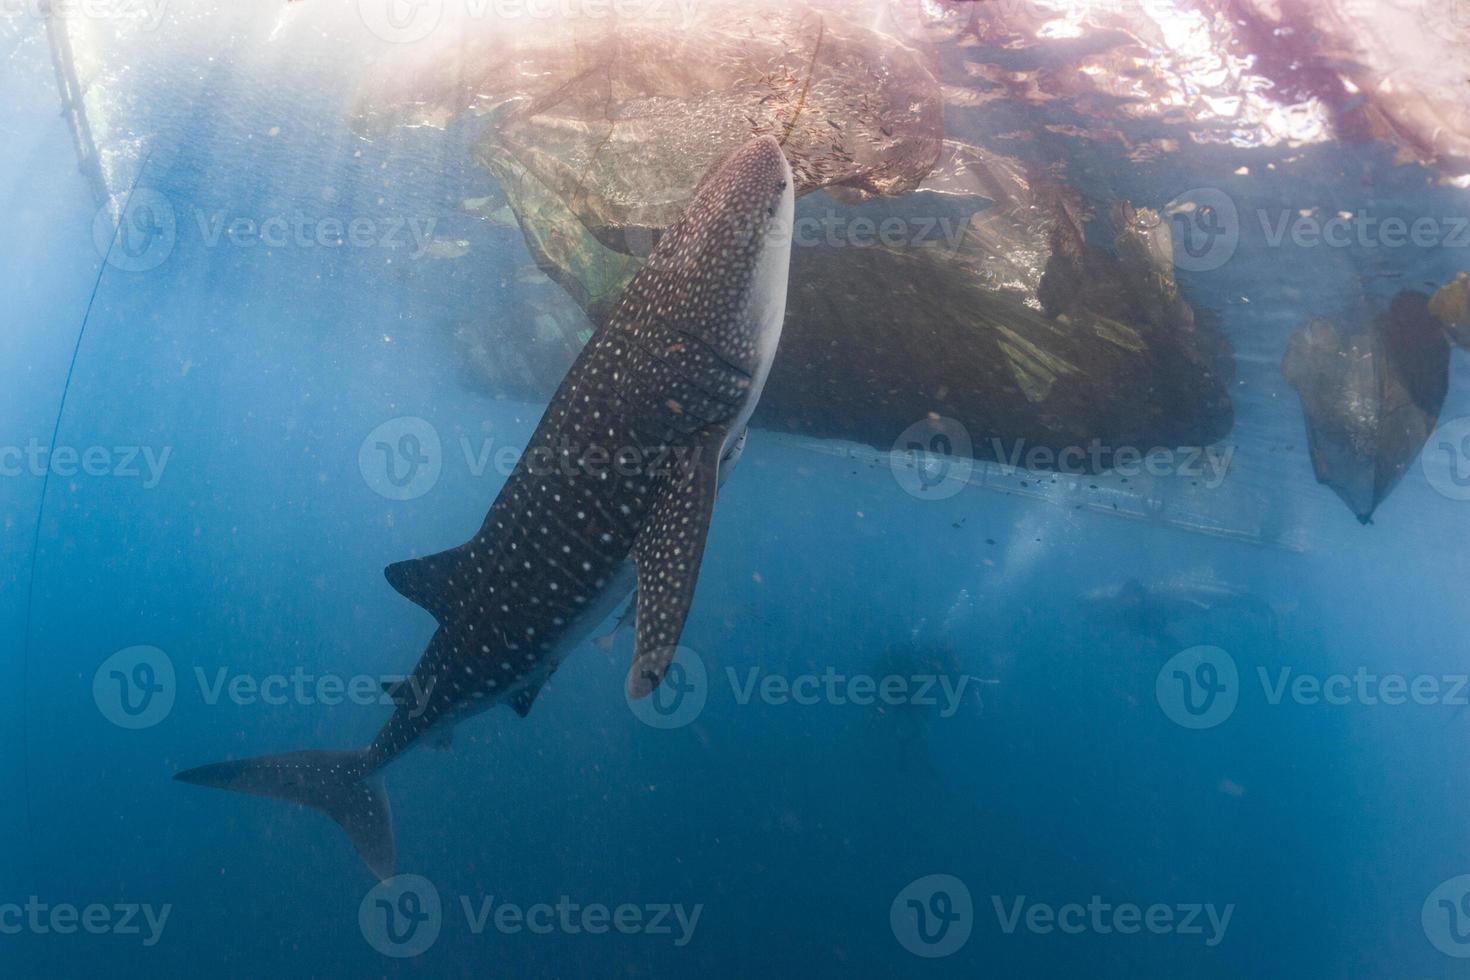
column 636, row 115
column 620, row 117
column 987, row 307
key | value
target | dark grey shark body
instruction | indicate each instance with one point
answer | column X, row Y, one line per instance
column 619, row 479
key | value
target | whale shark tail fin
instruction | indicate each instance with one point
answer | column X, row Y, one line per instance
column 338, row 783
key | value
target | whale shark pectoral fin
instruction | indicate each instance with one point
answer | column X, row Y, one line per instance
column 430, row 581
column 522, row 700
column 667, row 553
column 521, row 703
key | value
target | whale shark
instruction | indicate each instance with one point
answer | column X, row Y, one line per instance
column 613, row 495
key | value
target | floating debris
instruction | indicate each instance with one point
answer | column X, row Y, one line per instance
column 1371, row 395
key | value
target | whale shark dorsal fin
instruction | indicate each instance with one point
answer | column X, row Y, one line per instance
column 429, row 581
column 667, row 553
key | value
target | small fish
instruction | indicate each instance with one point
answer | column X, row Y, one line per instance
column 624, row 623
column 446, row 248
column 485, row 208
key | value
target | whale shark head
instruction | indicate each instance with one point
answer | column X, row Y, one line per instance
column 720, row 270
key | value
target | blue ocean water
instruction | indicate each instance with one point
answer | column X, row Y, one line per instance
column 235, row 525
